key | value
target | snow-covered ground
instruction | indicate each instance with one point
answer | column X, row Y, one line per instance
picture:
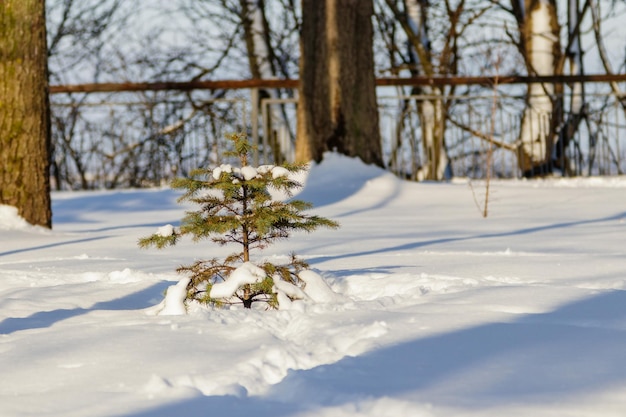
column 438, row 311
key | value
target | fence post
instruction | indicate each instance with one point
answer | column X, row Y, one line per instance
column 254, row 104
column 267, row 131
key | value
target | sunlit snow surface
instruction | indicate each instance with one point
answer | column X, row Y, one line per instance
column 437, row 311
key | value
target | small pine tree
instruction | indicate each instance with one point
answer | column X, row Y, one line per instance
column 237, row 208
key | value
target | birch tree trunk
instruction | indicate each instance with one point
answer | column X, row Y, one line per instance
column 337, row 107
column 260, row 58
column 24, row 111
column 540, row 46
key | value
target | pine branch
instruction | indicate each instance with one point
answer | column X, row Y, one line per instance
column 158, row 241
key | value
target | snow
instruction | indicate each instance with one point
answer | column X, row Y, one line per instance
column 249, row 172
column 174, row 302
column 217, row 172
column 436, row 311
column 165, row 231
column 247, row 273
column 286, row 292
column 317, row 289
column 279, row 172
column 9, row 219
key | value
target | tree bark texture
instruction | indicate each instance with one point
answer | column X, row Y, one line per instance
column 337, row 107
column 24, row 110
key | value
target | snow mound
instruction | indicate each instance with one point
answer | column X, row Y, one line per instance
column 248, row 273
column 174, row 302
column 336, row 178
column 128, row 275
column 10, row 220
column 285, row 292
column 317, row 289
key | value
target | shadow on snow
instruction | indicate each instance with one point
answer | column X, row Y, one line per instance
column 419, row 244
column 43, row 319
column 539, row 358
column 73, row 210
column 52, row 245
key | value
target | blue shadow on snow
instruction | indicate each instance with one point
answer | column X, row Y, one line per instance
column 42, row 319
column 419, row 244
column 537, row 359
column 73, row 210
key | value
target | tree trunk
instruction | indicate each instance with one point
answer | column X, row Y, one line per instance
column 539, row 43
column 337, row 107
column 261, row 60
column 24, row 111
column 574, row 56
column 430, row 110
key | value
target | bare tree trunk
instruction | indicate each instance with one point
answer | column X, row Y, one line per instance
column 261, row 60
column 431, row 110
column 540, row 46
column 337, row 107
column 577, row 99
column 24, row 110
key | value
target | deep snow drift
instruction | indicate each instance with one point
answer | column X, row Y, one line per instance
column 437, row 311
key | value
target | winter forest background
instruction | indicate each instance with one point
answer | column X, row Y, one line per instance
column 415, row 306
column 143, row 138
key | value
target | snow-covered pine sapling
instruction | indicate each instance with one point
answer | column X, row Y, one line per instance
column 235, row 207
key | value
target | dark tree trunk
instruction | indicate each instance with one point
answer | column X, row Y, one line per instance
column 337, row 107
column 24, row 110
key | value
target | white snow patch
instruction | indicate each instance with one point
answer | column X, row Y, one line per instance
column 286, row 288
column 10, row 220
column 264, row 169
column 247, row 273
column 174, row 302
column 278, row 172
column 165, row 231
column 248, row 172
column 127, row 275
column 317, row 289
column 217, row 172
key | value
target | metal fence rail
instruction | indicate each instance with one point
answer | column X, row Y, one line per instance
column 139, row 138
